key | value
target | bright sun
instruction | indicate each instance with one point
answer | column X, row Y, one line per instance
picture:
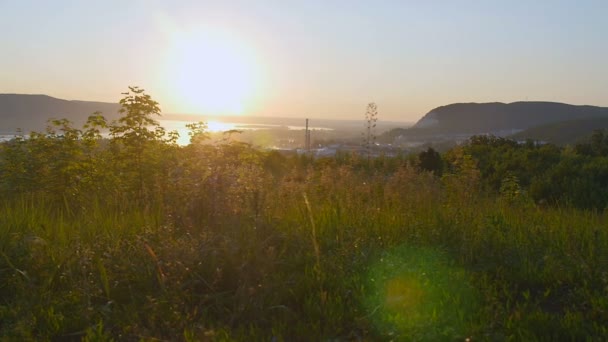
column 211, row 74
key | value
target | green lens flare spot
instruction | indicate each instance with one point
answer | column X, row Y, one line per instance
column 416, row 293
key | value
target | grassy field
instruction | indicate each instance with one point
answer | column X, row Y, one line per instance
column 332, row 251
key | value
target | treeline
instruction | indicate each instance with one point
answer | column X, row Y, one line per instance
column 543, row 173
column 139, row 160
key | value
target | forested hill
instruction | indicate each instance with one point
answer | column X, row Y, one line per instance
column 30, row 112
column 563, row 132
column 474, row 118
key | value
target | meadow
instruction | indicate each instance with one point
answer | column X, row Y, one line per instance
column 136, row 238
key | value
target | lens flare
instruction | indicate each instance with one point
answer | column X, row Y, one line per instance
column 417, row 293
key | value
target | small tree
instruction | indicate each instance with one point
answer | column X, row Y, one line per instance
column 198, row 132
column 136, row 134
column 430, row 160
column 14, row 165
column 369, row 135
column 137, row 124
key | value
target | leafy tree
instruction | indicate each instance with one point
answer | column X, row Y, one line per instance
column 596, row 146
column 462, row 175
column 137, row 125
column 510, row 190
column 138, row 140
column 14, row 163
column 430, row 160
column 65, row 154
column 198, row 132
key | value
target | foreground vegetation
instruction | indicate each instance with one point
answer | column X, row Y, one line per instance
column 136, row 238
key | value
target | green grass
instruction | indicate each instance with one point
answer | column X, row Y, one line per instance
column 397, row 256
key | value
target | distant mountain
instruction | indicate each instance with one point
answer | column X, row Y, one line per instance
column 31, row 112
column 502, row 117
column 563, row 132
column 458, row 121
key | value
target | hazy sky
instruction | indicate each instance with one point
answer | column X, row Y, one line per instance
column 307, row 58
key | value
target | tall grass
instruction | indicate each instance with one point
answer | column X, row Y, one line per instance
column 369, row 253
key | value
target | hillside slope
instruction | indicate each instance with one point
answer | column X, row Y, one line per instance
column 502, row 118
column 563, row 132
column 30, row 112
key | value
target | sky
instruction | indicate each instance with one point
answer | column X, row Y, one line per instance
column 318, row 59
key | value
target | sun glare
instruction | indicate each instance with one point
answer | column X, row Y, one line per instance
column 211, row 73
column 217, row 126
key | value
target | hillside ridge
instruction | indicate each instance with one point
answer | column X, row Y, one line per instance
column 30, row 112
column 479, row 118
